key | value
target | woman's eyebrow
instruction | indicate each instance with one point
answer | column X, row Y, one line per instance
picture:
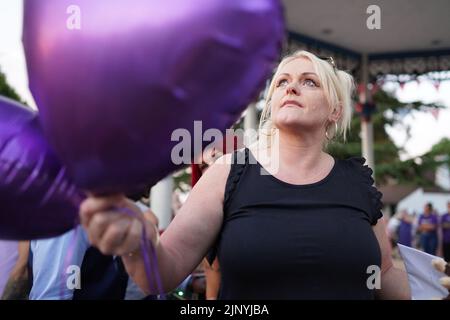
column 302, row 74
column 284, row 74
column 309, row 73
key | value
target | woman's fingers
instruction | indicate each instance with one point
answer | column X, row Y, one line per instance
column 131, row 243
column 114, row 236
column 93, row 205
column 98, row 224
column 114, row 224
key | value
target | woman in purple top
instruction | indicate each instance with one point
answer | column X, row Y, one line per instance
column 405, row 229
column 445, row 224
column 428, row 223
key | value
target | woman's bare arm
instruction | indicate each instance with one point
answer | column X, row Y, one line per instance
column 394, row 281
column 183, row 244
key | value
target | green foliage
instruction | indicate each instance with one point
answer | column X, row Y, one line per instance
column 7, row 91
column 388, row 166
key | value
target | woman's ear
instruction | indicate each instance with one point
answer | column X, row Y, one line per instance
column 336, row 113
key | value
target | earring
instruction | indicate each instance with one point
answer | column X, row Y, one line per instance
column 335, row 131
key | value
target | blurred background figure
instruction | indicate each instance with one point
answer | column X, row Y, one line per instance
column 405, row 228
column 14, row 272
column 8, row 256
column 392, row 230
column 48, row 259
column 212, row 275
column 428, row 226
column 445, row 225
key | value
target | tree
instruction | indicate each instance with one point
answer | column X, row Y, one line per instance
column 7, row 91
column 388, row 166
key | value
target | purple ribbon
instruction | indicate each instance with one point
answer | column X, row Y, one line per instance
column 150, row 257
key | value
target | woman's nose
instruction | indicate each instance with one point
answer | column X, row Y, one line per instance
column 292, row 89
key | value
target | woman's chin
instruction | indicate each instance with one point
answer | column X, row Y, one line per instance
column 288, row 122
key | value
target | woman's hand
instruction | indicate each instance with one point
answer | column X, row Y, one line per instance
column 114, row 224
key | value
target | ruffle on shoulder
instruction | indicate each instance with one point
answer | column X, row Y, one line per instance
column 365, row 176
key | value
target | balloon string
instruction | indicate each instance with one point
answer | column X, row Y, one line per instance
column 149, row 247
column 149, row 256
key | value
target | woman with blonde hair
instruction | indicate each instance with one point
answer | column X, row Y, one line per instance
column 309, row 227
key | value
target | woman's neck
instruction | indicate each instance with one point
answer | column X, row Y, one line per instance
column 300, row 151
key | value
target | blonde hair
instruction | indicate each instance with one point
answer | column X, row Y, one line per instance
column 338, row 87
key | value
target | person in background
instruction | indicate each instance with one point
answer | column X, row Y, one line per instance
column 14, row 280
column 392, row 229
column 212, row 275
column 428, row 226
column 50, row 257
column 405, row 229
column 8, row 256
column 445, row 225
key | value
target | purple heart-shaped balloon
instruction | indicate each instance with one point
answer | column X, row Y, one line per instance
column 36, row 198
column 113, row 79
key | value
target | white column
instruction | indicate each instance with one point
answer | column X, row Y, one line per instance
column 366, row 125
column 250, row 120
column 367, row 142
column 161, row 201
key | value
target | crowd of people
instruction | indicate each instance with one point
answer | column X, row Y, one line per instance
column 428, row 231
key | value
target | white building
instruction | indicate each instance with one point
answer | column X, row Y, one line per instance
column 415, row 201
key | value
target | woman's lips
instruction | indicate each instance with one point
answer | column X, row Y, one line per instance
column 292, row 103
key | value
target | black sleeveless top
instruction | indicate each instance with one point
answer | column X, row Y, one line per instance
column 285, row 241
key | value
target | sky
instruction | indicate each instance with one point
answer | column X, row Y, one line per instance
column 426, row 130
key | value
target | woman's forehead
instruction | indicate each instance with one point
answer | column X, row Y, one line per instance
column 297, row 66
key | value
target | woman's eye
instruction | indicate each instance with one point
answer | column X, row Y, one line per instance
column 282, row 83
column 309, row 83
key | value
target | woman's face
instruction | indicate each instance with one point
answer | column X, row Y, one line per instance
column 298, row 102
